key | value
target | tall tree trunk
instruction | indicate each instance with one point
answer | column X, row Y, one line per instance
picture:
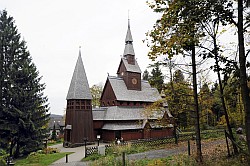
column 17, row 152
column 1, row 78
column 243, row 76
column 222, row 94
column 196, row 109
column 11, row 147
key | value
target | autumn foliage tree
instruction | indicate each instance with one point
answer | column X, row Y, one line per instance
column 176, row 32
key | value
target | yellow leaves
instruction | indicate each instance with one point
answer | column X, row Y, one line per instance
column 156, row 162
column 222, row 31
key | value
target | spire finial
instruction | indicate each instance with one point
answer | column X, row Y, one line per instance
column 79, row 50
column 128, row 20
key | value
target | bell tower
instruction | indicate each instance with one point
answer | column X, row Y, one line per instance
column 79, row 119
column 129, row 69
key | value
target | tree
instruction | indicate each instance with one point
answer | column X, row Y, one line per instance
column 23, row 116
column 243, row 74
column 178, row 76
column 53, row 137
column 145, row 75
column 217, row 105
column 178, row 31
column 205, row 103
column 239, row 24
column 96, row 91
column 179, row 99
column 156, row 78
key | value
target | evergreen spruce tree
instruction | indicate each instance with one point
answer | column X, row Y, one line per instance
column 53, row 137
column 145, row 75
column 156, row 79
column 23, row 116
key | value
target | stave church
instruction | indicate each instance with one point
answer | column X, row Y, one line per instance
column 124, row 100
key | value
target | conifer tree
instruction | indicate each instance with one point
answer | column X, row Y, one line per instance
column 145, row 75
column 156, row 78
column 23, row 114
column 53, row 137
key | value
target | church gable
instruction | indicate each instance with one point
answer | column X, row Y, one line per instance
column 121, row 69
column 108, row 97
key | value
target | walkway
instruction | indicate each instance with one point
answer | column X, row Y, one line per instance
column 75, row 158
column 161, row 153
column 79, row 153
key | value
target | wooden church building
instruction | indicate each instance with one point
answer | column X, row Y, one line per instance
column 124, row 100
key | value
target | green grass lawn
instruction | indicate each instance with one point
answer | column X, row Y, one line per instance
column 40, row 159
column 52, row 142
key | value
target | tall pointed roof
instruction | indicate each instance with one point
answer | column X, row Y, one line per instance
column 128, row 36
column 79, row 87
column 129, row 49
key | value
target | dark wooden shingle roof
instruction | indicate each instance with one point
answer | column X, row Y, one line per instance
column 79, row 87
column 147, row 93
column 122, row 113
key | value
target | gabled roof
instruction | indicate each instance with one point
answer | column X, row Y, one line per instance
column 79, row 87
column 119, row 113
column 131, row 68
column 147, row 93
column 57, row 120
column 122, row 126
column 123, row 113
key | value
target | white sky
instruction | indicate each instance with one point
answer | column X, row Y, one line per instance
column 54, row 30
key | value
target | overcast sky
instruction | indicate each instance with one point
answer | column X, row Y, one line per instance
column 54, row 30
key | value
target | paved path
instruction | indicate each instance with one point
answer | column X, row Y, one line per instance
column 154, row 154
column 75, row 158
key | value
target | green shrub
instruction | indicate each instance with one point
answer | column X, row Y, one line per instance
column 3, row 156
column 34, row 157
column 92, row 157
column 110, row 160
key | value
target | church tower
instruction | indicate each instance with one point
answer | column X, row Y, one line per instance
column 129, row 69
column 79, row 119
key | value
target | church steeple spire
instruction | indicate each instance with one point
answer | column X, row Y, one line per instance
column 79, row 87
column 129, row 49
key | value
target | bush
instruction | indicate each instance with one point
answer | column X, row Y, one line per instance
column 92, row 157
column 3, row 156
column 108, row 160
column 50, row 150
column 129, row 149
column 34, row 157
column 2, row 161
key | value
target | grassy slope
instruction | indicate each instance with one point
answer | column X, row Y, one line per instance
column 40, row 159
